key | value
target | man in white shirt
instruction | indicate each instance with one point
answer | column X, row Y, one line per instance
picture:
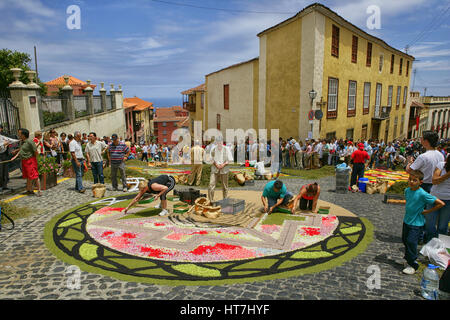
column 427, row 163
column 221, row 156
column 153, row 150
column 298, row 155
column 197, row 156
column 94, row 155
column 390, row 151
column 77, row 161
column 144, row 153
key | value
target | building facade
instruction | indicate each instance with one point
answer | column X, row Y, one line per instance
column 438, row 109
column 314, row 61
column 166, row 121
column 194, row 103
column 139, row 119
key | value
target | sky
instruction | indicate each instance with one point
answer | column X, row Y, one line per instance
column 156, row 49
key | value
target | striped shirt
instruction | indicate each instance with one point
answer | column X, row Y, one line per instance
column 118, row 152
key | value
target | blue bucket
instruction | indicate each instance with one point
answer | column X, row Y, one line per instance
column 362, row 183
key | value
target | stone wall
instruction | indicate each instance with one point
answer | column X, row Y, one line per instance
column 104, row 124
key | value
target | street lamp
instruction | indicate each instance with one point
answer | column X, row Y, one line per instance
column 312, row 95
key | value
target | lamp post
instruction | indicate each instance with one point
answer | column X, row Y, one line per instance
column 312, row 96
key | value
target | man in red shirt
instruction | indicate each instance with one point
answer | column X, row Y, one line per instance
column 359, row 158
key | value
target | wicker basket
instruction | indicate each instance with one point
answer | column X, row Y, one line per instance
column 98, row 190
column 240, row 178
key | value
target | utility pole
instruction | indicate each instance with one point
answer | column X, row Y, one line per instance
column 425, row 92
column 35, row 65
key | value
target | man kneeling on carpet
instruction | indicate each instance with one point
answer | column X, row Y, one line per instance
column 308, row 196
column 275, row 194
column 160, row 186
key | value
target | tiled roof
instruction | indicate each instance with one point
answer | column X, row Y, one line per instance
column 417, row 104
column 128, row 104
column 183, row 123
column 234, row 65
column 168, row 114
column 201, row 87
column 140, row 104
column 72, row 82
column 330, row 13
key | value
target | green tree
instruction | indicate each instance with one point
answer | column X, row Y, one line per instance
column 14, row 59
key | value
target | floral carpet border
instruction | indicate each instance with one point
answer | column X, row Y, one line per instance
column 66, row 237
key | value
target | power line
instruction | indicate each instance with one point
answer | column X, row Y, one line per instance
column 434, row 24
column 218, row 9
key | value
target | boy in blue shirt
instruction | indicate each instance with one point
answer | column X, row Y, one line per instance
column 414, row 220
column 275, row 194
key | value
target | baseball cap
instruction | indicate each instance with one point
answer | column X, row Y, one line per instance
column 114, row 136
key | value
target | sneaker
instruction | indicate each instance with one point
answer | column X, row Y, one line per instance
column 164, row 212
column 125, row 190
column 82, row 190
column 409, row 270
column 158, row 206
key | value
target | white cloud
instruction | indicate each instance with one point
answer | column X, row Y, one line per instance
column 32, row 7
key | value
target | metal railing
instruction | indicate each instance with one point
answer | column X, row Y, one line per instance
column 381, row 113
column 52, row 110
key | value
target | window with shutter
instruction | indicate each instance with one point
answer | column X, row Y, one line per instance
column 397, row 102
column 369, row 54
column 354, row 49
column 390, row 91
column 407, row 68
column 392, row 64
column 332, row 103
column 351, row 104
column 405, row 92
column 366, row 100
column 335, row 42
column 226, row 96
column 400, row 67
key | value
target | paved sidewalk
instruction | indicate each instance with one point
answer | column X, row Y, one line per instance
column 29, row 271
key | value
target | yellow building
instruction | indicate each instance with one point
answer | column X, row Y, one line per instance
column 315, row 60
column 194, row 102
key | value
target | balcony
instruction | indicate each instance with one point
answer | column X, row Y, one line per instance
column 381, row 113
column 189, row 106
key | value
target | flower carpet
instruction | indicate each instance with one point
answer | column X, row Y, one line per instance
column 390, row 176
column 144, row 247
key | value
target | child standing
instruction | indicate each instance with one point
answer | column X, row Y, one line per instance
column 414, row 220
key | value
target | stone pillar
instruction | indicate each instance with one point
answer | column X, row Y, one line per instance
column 67, row 103
column 103, row 96
column 89, row 98
column 25, row 98
column 112, row 92
column 119, row 98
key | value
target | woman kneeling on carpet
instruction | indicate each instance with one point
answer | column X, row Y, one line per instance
column 160, row 186
column 308, row 196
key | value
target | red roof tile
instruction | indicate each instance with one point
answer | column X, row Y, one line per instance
column 139, row 103
column 201, row 87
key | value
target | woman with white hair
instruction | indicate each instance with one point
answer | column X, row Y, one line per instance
column 160, row 186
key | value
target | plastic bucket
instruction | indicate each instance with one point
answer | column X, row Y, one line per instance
column 362, row 183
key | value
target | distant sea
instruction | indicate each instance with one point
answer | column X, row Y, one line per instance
column 165, row 102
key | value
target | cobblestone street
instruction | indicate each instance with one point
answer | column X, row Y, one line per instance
column 29, row 271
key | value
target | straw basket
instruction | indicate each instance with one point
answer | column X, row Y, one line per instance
column 98, row 190
column 240, row 178
column 203, row 208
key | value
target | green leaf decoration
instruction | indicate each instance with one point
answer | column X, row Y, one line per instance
column 350, row 230
column 69, row 222
column 195, row 270
column 311, row 255
column 88, row 251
